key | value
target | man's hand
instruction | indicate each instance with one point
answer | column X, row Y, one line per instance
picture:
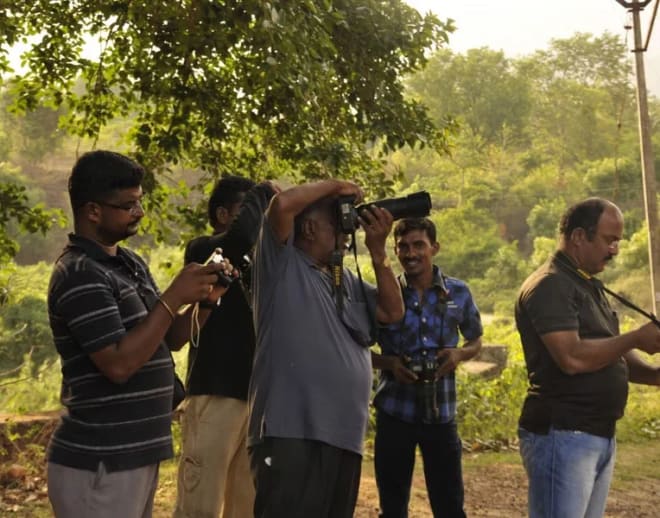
column 346, row 188
column 273, row 186
column 195, row 283
column 648, row 338
column 395, row 365
column 219, row 289
column 448, row 360
column 377, row 224
column 401, row 373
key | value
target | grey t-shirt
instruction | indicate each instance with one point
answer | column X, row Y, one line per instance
column 310, row 379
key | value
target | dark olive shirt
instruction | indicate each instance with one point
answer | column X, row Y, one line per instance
column 557, row 298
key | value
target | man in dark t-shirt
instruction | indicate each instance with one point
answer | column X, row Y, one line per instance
column 214, row 474
column 112, row 329
column 579, row 366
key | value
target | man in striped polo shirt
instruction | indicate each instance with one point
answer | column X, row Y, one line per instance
column 112, row 329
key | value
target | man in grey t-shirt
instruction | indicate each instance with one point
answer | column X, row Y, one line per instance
column 311, row 380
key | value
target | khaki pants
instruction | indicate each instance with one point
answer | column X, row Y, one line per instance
column 78, row 493
column 214, row 471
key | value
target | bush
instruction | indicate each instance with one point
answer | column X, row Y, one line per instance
column 24, row 327
column 488, row 410
column 34, row 388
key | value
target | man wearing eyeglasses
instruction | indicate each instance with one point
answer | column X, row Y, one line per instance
column 112, row 328
column 311, row 379
column 579, row 366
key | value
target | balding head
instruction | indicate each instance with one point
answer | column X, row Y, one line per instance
column 590, row 233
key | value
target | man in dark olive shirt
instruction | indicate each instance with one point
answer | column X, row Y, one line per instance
column 579, row 366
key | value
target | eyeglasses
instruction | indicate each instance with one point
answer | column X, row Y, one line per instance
column 134, row 208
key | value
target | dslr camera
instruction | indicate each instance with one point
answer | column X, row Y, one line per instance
column 424, row 366
column 416, row 205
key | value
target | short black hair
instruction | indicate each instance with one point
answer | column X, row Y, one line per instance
column 226, row 192
column 409, row 224
column 584, row 214
column 97, row 174
column 326, row 205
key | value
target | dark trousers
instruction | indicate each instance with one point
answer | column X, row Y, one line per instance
column 297, row 478
column 394, row 461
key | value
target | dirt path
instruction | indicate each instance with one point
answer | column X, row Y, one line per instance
column 499, row 490
column 493, row 491
column 495, row 483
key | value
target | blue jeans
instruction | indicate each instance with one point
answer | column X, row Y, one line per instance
column 569, row 473
column 394, row 460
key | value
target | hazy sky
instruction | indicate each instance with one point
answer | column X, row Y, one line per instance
column 519, row 27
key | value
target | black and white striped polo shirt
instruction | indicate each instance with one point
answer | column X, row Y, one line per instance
column 94, row 299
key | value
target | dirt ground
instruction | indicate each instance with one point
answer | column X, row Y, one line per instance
column 500, row 491
column 495, row 483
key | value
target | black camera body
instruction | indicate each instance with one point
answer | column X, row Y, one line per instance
column 416, row 205
column 425, row 366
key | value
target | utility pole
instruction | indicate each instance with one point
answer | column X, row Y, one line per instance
column 648, row 167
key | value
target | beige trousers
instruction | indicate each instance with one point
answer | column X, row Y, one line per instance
column 214, row 472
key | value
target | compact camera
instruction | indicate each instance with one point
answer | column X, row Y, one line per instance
column 217, row 258
column 424, row 366
column 416, row 205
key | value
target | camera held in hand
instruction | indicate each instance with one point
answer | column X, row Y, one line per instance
column 416, row 205
column 425, row 365
column 217, row 258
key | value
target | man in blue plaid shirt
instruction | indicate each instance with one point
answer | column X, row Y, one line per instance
column 409, row 412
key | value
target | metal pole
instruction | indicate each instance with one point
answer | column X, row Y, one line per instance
column 648, row 167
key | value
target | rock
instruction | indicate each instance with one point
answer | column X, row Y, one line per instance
column 13, row 475
column 483, row 369
column 489, row 363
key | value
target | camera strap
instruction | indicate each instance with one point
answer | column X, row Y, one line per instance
column 370, row 314
column 337, row 272
column 598, row 284
column 443, row 296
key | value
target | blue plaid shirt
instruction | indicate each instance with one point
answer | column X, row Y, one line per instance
column 430, row 323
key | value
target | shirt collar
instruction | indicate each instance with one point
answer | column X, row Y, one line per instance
column 438, row 280
column 565, row 263
column 90, row 247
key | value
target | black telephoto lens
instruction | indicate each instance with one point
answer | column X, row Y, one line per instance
column 416, row 205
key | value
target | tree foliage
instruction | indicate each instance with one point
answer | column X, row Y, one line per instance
column 309, row 81
column 482, row 88
column 313, row 87
column 18, row 213
column 536, row 134
column 584, row 97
